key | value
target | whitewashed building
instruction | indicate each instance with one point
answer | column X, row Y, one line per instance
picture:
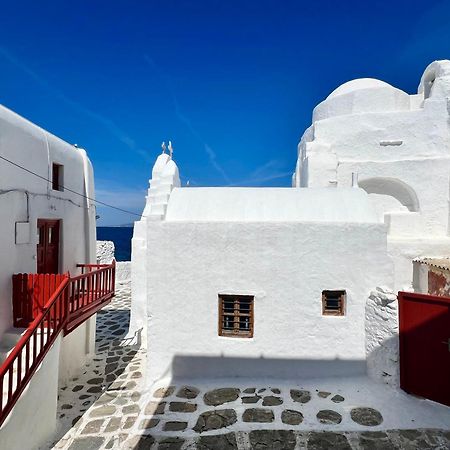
column 286, row 282
column 399, row 145
column 44, row 228
column 255, row 281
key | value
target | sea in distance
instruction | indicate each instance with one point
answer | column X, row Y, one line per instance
column 121, row 236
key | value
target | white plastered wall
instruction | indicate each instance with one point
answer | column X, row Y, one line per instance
column 26, row 198
column 420, row 277
column 76, row 349
column 285, row 266
column 165, row 178
column 404, row 138
column 32, row 421
column 139, row 273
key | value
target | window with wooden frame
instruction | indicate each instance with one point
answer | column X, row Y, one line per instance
column 57, row 177
column 333, row 303
column 236, row 316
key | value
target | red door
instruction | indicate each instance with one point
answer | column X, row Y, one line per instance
column 48, row 246
column 425, row 346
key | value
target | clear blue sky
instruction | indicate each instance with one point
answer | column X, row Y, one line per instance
column 232, row 84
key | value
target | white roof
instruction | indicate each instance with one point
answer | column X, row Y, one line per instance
column 229, row 204
column 359, row 84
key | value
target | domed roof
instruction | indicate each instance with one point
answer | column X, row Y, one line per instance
column 358, row 84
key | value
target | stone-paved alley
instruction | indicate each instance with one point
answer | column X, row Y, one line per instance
column 108, row 407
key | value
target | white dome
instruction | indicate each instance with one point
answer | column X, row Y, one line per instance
column 358, row 84
column 364, row 95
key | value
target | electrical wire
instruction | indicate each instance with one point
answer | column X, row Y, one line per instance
column 68, row 189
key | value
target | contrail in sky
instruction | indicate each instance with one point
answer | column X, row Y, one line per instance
column 104, row 121
column 184, row 119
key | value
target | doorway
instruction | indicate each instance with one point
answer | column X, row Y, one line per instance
column 425, row 345
column 48, row 246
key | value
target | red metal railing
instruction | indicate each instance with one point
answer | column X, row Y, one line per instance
column 85, row 268
column 89, row 291
column 18, row 368
column 70, row 302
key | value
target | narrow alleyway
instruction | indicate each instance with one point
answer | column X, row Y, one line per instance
column 108, row 407
column 103, row 402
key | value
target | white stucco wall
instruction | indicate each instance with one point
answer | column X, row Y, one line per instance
column 32, row 421
column 420, row 277
column 404, row 250
column 382, row 336
column 25, row 198
column 398, row 144
column 76, row 349
column 123, row 271
column 139, row 274
column 285, row 266
column 164, row 178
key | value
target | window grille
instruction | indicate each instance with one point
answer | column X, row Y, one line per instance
column 333, row 303
column 236, row 316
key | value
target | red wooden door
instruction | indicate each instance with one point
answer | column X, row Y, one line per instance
column 425, row 346
column 48, row 246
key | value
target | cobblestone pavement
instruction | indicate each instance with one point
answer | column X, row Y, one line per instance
column 108, row 407
column 104, row 399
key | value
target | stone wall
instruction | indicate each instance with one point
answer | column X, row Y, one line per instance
column 105, row 252
column 381, row 327
column 105, row 255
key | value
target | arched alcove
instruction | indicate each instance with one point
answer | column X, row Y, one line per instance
column 428, row 84
column 392, row 187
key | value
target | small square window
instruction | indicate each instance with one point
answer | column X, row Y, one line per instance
column 333, row 303
column 58, row 177
column 236, row 316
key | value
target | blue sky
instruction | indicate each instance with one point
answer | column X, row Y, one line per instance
column 232, row 84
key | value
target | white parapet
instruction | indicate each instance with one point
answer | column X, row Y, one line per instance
column 32, row 421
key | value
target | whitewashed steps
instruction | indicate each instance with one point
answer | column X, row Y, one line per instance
column 8, row 341
column 7, row 344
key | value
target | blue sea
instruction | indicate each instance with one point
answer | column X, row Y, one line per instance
column 121, row 236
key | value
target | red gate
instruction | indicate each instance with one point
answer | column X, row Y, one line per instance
column 30, row 294
column 424, row 322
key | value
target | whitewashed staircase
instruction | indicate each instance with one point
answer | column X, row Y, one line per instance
column 8, row 342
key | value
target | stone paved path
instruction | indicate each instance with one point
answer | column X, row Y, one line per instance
column 108, row 407
column 104, row 400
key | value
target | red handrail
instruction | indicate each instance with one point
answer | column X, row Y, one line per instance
column 22, row 362
column 88, row 292
column 74, row 300
column 89, row 267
